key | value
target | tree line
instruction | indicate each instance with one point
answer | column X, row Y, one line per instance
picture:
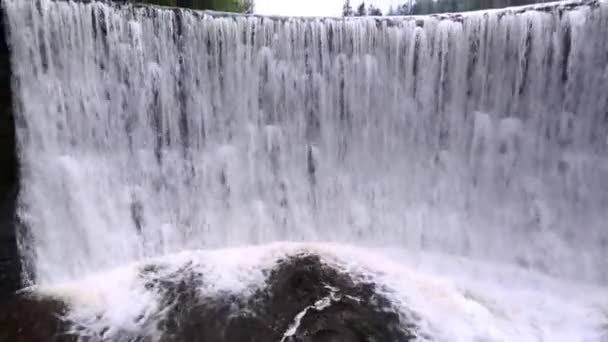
column 415, row 7
column 241, row 6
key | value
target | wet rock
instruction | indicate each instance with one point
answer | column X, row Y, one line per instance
column 303, row 300
column 342, row 310
column 29, row 318
column 10, row 268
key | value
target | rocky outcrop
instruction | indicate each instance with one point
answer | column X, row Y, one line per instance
column 304, row 300
column 29, row 318
column 9, row 257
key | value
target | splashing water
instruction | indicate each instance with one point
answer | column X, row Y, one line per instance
column 455, row 299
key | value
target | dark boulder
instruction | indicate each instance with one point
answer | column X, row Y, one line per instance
column 330, row 306
column 303, row 300
column 30, row 318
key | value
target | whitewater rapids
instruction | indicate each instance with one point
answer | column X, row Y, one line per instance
column 455, row 299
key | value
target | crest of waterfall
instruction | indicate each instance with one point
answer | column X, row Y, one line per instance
column 144, row 131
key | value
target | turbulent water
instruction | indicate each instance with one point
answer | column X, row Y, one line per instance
column 455, row 300
column 430, row 141
column 145, row 131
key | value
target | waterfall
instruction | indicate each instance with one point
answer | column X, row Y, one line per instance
column 143, row 131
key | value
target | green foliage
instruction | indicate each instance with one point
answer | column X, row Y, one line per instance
column 242, row 6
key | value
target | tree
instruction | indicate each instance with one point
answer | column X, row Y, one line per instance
column 374, row 11
column 423, row 7
column 409, row 7
column 361, row 10
column 406, row 9
column 403, row 9
column 444, row 6
column 247, row 6
column 242, row 6
column 347, row 9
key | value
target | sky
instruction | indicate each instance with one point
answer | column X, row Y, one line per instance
column 313, row 7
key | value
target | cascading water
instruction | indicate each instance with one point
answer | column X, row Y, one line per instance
column 144, row 131
column 456, row 152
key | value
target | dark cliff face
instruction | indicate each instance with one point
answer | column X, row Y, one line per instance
column 9, row 175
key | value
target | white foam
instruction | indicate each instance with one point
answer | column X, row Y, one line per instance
column 455, row 299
